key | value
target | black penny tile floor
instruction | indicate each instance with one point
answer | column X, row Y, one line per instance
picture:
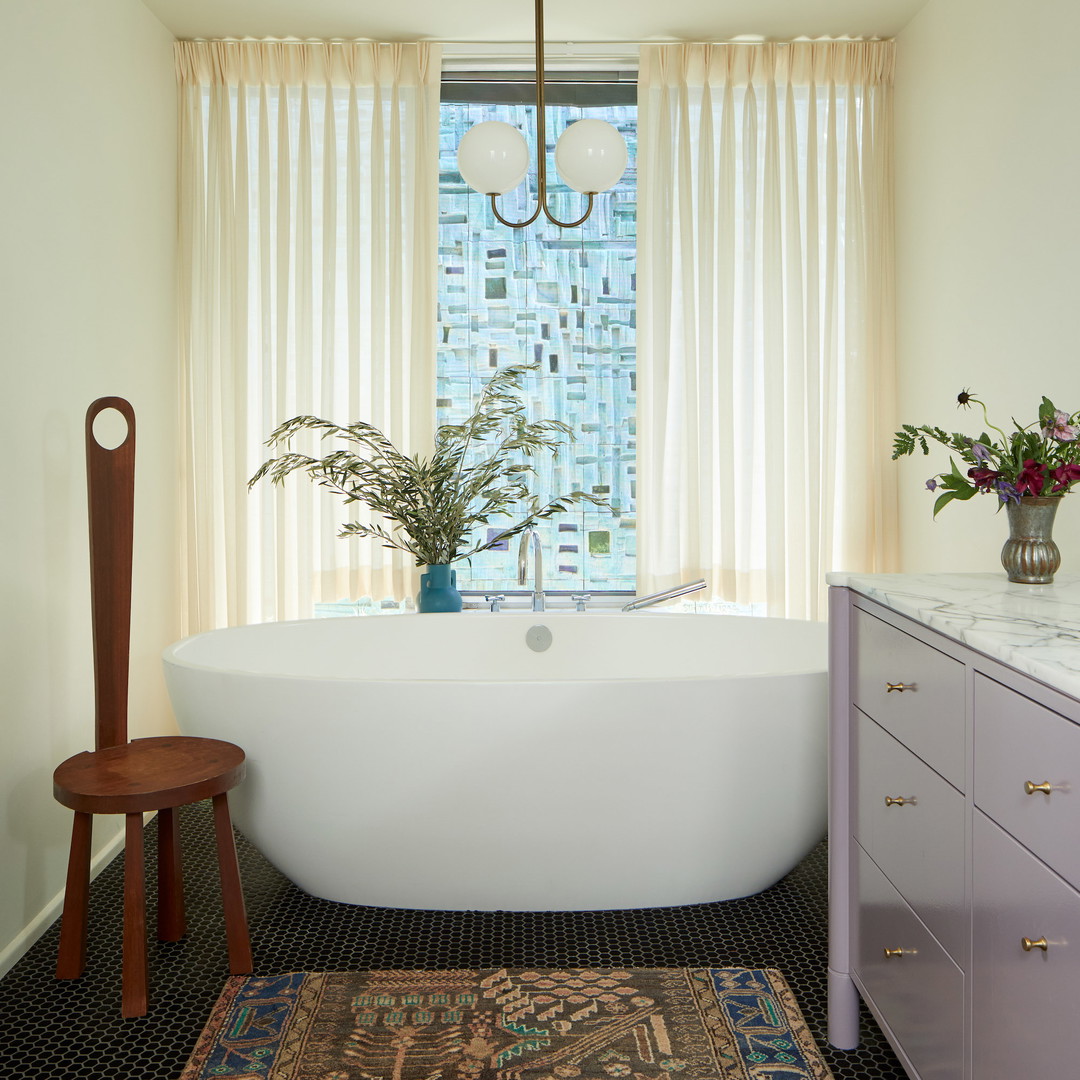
column 53, row 1030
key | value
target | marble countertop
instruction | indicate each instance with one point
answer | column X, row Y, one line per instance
column 1033, row 628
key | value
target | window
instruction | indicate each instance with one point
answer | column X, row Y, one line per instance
column 309, row 268
column 561, row 299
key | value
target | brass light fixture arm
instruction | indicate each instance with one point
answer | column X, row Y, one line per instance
column 541, row 146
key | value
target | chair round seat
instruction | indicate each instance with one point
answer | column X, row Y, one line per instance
column 148, row 774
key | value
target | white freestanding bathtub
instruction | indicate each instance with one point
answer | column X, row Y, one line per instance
column 441, row 762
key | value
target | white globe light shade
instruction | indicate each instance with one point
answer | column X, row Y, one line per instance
column 590, row 156
column 493, row 157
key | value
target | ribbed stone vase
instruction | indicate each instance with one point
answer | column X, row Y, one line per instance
column 1030, row 555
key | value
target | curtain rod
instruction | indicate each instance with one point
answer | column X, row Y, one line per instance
column 513, row 55
column 525, row 44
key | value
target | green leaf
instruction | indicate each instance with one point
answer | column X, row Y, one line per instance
column 479, row 470
column 942, row 501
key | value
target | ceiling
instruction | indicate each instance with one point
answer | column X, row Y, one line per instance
column 512, row 20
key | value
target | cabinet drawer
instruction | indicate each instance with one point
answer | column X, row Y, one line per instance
column 919, row 843
column 1023, row 1002
column 920, row 992
column 1017, row 740
column 927, row 714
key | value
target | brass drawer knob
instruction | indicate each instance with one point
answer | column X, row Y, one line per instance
column 895, row 954
column 900, row 800
column 1038, row 943
column 1031, row 787
column 899, row 687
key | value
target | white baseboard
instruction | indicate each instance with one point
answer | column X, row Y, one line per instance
column 18, row 948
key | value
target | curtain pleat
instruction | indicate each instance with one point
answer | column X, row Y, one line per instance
column 308, row 238
column 765, row 309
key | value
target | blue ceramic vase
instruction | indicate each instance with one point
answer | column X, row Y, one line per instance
column 438, row 590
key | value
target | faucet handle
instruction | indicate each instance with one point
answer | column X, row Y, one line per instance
column 494, row 599
column 580, row 599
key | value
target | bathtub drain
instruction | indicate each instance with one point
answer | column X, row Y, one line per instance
column 538, row 638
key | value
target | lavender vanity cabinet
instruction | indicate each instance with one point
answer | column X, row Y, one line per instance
column 1026, row 862
column 1023, row 1001
column 916, row 986
column 917, row 837
column 954, row 850
column 1017, row 742
column 908, row 688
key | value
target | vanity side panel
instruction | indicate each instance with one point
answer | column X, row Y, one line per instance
column 843, row 996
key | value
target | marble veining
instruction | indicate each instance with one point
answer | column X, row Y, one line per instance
column 1033, row 628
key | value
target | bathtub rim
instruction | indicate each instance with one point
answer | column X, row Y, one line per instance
column 169, row 654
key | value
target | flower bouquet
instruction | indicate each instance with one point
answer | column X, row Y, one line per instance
column 1041, row 459
column 1028, row 469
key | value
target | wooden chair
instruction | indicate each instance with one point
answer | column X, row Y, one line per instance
column 130, row 778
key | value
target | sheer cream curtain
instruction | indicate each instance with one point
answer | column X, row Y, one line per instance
column 765, row 309
column 308, row 237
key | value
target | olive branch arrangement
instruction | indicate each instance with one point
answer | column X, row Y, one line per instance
column 435, row 504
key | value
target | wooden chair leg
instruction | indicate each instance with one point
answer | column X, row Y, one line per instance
column 71, row 956
column 232, row 896
column 171, row 923
column 135, row 974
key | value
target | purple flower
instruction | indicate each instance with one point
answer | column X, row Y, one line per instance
column 931, row 484
column 1060, row 428
column 1006, row 492
column 980, row 451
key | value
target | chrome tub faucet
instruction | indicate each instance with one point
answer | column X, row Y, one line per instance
column 538, row 565
column 666, row 594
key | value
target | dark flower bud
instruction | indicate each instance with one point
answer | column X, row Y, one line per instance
column 983, row 478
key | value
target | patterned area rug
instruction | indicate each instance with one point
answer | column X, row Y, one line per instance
column 510, row 1024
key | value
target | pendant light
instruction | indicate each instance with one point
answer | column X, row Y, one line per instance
column 493, row 157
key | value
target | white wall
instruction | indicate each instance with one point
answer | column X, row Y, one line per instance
column 988, row 231
column 87, row 191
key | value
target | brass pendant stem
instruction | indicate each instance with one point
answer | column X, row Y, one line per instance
column 514, row 224
column 541, row 146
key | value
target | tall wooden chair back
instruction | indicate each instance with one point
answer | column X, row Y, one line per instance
column 110, row 488
column 133, row 777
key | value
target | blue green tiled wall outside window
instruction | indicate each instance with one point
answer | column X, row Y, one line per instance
column 565, row 300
